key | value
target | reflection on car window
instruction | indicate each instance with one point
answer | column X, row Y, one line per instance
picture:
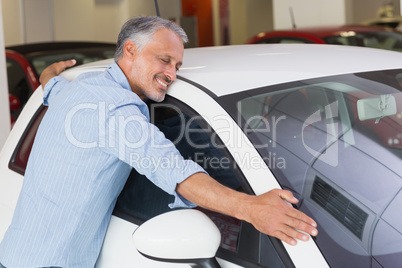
column 336, row 142
column 19, row 159
column 285, row 40
column 17, row 85
column 380, row 39
column 41, row 62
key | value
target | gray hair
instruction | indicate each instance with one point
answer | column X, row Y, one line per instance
column 140, row 31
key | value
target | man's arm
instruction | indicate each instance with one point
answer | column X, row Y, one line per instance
column 269, row 213
column 51, row 72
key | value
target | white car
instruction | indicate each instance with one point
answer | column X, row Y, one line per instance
column 322, row 121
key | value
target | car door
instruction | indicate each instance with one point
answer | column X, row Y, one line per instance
column 140, row 200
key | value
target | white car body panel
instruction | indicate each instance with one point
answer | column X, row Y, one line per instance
column 225, row 66
column 242, row 150
column 224, row 77
column 239, row 150
column 277, row 63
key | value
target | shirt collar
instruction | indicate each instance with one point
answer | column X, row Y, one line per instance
column 118, row 75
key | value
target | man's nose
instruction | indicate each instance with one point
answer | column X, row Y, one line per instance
column 171, row 73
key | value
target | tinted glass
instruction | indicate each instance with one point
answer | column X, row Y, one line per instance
column 285, row 40
column 41, row 60
column 380, row 39
column 18, row 85
column 19, row 159
column 336, row 142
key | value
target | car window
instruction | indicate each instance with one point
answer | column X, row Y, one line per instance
column 18, row 85
column 41, row 61
column 285, row 40
column 19, row 158
column 196, row 140
column 336, row 143
column 377, row 39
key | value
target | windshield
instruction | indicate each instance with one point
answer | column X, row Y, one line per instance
column 85, row 55
column 336, row 143
column 378, row 39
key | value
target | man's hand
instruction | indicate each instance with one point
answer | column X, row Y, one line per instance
column 54, row 70
column 270, row 214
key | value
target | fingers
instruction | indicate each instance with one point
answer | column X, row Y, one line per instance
column 54, row 70
column 299, row 217
column 303, row 226
column 296, row 227
column 290, row 236
column 65, row 64
column 281, row 220
column 297, row 220
column 58, row 67
column 288, row 196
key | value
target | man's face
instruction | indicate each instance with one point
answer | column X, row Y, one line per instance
column 154, row 67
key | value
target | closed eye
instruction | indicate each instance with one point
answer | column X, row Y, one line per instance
column 167, row 61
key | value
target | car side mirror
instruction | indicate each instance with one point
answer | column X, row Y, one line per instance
column 180, row 236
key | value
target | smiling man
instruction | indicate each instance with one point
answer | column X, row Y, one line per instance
column 152, row 69
column 74, row 177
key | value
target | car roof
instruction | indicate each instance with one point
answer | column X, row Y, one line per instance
column 229, row 69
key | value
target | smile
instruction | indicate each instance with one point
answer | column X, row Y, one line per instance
column 162, row 83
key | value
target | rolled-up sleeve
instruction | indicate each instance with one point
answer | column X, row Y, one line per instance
column 52, row 88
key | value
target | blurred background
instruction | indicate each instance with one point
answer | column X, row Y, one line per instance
column 208, row 22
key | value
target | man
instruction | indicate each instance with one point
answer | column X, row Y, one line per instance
column 77, row 169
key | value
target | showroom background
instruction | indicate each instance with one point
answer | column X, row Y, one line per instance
column 207, row 22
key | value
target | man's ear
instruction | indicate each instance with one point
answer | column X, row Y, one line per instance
column 129, row 49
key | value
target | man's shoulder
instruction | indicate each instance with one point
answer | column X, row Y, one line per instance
column 99, row 86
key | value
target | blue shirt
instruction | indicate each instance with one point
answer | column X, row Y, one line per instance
column 95, row 130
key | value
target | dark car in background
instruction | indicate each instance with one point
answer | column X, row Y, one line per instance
column 26, row 62
column 350, row 35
